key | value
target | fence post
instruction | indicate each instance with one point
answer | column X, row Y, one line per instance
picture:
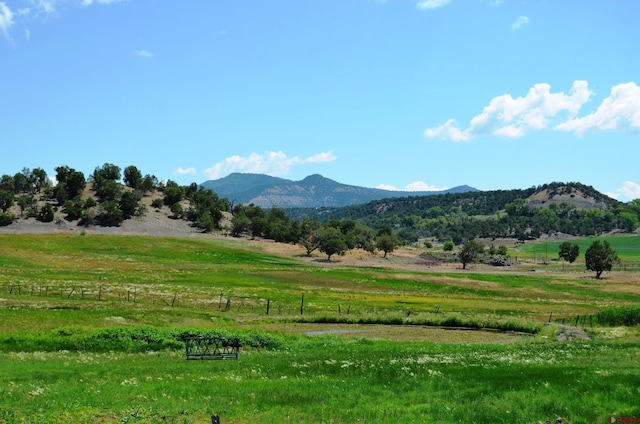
column 268, row 304
column 302, row 305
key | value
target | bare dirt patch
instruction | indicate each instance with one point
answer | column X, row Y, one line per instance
column 416, row 333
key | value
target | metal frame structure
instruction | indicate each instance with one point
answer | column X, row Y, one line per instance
column 214, row 348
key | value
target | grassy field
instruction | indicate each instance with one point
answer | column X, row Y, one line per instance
column 91, row 331
column 627, row 246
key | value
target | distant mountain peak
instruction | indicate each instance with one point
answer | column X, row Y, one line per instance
column 313, row 191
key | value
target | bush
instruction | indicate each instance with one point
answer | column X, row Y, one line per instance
column 6, row 219
column 126, row 339
column 46, row 213
column 448, row 246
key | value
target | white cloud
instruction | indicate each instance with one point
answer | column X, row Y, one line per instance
column 90, row 2
column 619, row 111
column 415, row 186
column 184, row 171
column 520, row 22
column 627, row 192
column 448, row 131
column 144, row 53
column 27, row 34
column 513, row 118
column 432, row 4
column 48, row 7
column 270, row 163
column 6, row 20
column 494, row 3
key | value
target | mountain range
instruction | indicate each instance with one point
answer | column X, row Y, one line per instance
column 314, row 191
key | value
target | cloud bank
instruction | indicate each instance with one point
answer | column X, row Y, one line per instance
column 541, row 109
column 270, row 163
column 415, row 186
column 184, row 171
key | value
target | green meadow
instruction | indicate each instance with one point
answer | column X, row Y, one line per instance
column 92, row 330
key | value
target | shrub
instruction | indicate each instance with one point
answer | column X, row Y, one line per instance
column 126, row 339
column 6, row 219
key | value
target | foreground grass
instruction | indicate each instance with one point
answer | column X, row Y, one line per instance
column 69, row 305
column 328, row 380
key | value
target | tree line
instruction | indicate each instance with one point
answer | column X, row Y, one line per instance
column 382, row 225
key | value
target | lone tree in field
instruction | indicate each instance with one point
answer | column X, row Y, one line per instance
column 469, row 252
column 309, row 235
column 386, row 241
column 569, row 251
column 600, row 257
column 331, row 242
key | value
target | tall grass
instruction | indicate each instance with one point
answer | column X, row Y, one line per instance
column 618, row 316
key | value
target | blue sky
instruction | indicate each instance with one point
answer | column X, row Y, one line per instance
column 404, row 94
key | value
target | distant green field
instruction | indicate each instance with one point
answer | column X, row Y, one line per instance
column 91, row 327
column 627, row 247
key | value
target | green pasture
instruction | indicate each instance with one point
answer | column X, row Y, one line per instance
column 627, row 247
column 91, row 331
column 328, row 380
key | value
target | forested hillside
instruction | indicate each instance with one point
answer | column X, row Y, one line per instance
column 571, row 208
column 110, row 195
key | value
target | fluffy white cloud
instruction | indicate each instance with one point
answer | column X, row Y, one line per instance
column 6, row 19
column 513, row 118
column 627, row 192
column 619, row 111
column 270, row 163
column 432, row 4
column 415, row 186
column 520, row 22
column 448, row 131
column 184, row 171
